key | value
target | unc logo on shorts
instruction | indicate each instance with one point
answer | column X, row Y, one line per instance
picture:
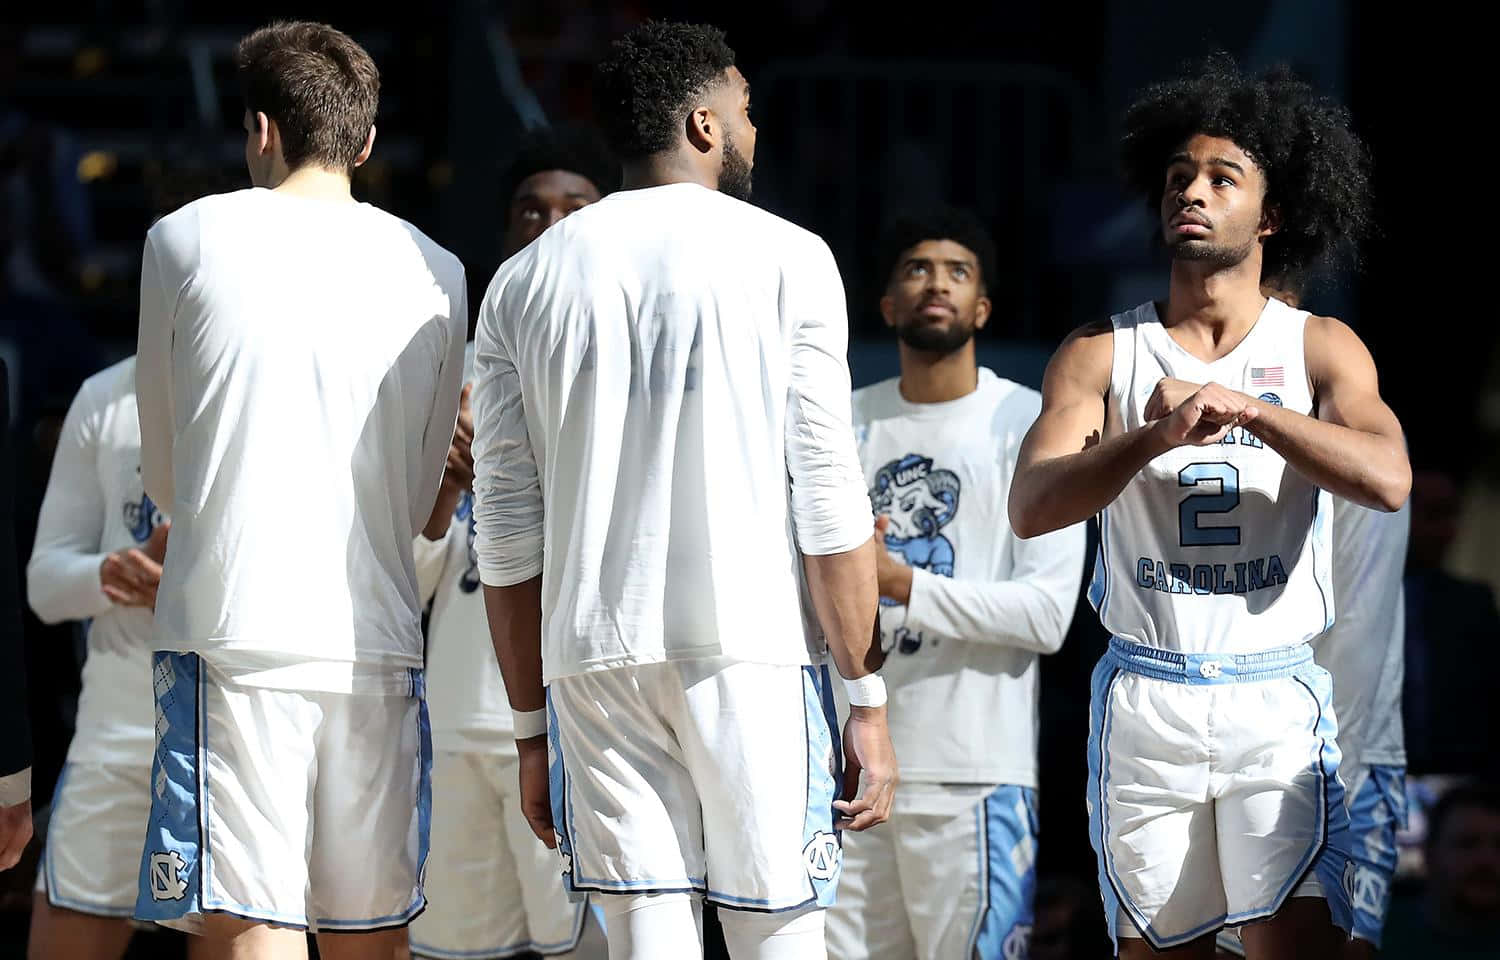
column 822, row 856
column 567, row 861
column 166, row 879
column 1209, row 669
column 1017, row 945
column 1366, row 889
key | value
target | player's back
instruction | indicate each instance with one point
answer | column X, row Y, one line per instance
column 1222, row 548
column 311, row 342
column 655, row 334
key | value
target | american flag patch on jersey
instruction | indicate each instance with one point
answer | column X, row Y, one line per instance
column 1267, row 377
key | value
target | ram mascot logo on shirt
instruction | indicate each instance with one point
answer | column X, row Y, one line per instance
column 141, row 516
column 468, row 581
column 920, row 501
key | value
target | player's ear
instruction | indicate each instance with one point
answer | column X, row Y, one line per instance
column 702, row 129
column 1270, row 220
column 887, row 307
column 265, row 132
column 364, row 154
column 982, row 308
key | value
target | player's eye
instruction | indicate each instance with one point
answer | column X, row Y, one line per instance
column 531, row 213
column 960, row 273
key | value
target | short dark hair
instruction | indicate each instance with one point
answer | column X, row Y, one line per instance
column 1317, row 169
column 1481, row 796
column 320, row 87
column 906, row 230
column 646, row 85
column 574, row 149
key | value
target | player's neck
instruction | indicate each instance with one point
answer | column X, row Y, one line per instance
column 663, row 169
column 317, row 183
column 937, row 378
column 1214, row 304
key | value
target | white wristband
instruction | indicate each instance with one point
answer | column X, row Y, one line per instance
column 530, row 723
column 867, row 691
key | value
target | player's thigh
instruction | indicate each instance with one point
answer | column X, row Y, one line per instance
column 1301, row 930
column 552, row 917
column 769, row 727
column 92, row 857
column 868, row 921
column 473, row 893
column 1151, row 818
column 624, row 806
column 1280, row 805
column 59, row 932
column 371, row 811
column 971, row 876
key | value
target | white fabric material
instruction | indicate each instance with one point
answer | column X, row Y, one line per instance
column 667, row 807
column 311, row 806
column 467, row 701
column 92, row 860
column 645, row 927
column 866, row 691
column 1365, row 650
column 493, row 890
column 15, row 788
column 1221, row 548
column 794, row 935
column 962, row 655
column 648, row 374
column 298, row 377
column 96, row 505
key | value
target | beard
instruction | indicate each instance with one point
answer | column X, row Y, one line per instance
column 734, row 175
column 930, row 338
column 1212, row 254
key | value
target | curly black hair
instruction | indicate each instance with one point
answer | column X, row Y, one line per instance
column 1317, row 169
column 906, row 230
column 646, row 85
column 574, row 149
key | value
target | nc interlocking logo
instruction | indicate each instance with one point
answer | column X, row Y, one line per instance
column 567, row 861
column 1368, row 893
column 822, row 856
column 1018, row 943
column 166, row 876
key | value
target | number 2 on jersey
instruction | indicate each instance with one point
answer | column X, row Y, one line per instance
column 1218, row 486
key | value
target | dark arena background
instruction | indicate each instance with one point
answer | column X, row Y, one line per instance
column 114, row 114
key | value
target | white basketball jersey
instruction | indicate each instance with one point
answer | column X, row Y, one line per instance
column 1220, row 548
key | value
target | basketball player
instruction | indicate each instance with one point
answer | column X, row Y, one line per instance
column 966, row 608
column 297, row 379
column 15, row 755
column 649, row 374
column 1208, row 432
column 492, row 890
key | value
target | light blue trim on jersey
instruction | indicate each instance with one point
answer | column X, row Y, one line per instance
column 1376, row 812
column 1327, row 855
column 49, row 878
column 1007, row 822
column 1209, row 668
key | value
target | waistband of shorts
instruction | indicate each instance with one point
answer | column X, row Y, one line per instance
column 1200, row 668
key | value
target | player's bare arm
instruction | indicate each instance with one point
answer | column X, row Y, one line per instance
column 515, row 617
column 458, row 472
column 1066, row 472
column 843, row 588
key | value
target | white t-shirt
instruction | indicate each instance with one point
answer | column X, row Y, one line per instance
column 649, row 373
column 95, row 505
column 1365, row 650
column 961, row 662
column 466, row 704
column 1223, row 548
column 298, row 378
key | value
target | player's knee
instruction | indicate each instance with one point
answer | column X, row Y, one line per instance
column 794, row 935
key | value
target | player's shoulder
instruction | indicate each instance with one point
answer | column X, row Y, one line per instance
column 875, row 400
column 439, row 258
column 1009, row 395
column 190, row 219
column 113, row 382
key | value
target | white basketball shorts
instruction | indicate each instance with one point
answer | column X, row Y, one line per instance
column 1213, row 789
column 493, row 890
column 295, row 808
column 92, row 859
column 714, row 776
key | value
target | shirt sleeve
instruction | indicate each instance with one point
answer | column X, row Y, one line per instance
column 153, row 376
column 15, row 788
column 438, row 437
column 830, row 506
column 508, row 515
column 429, row 557
column 1032, row 610
column 62, row 578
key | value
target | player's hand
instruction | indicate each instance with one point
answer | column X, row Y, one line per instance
column 459, row 470
column 1168, row 395
column 130, row 577
column 1206, row 416
column 893, row 578
column 868, row 755
column 536, row 789
column 15, row 833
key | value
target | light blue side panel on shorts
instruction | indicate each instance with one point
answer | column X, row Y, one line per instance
column 171, row 861
column 822, row 848
column 1333, row 867
column 1376, row 812
column 1098, row 785
column 557, row 791
column 1008, row 833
